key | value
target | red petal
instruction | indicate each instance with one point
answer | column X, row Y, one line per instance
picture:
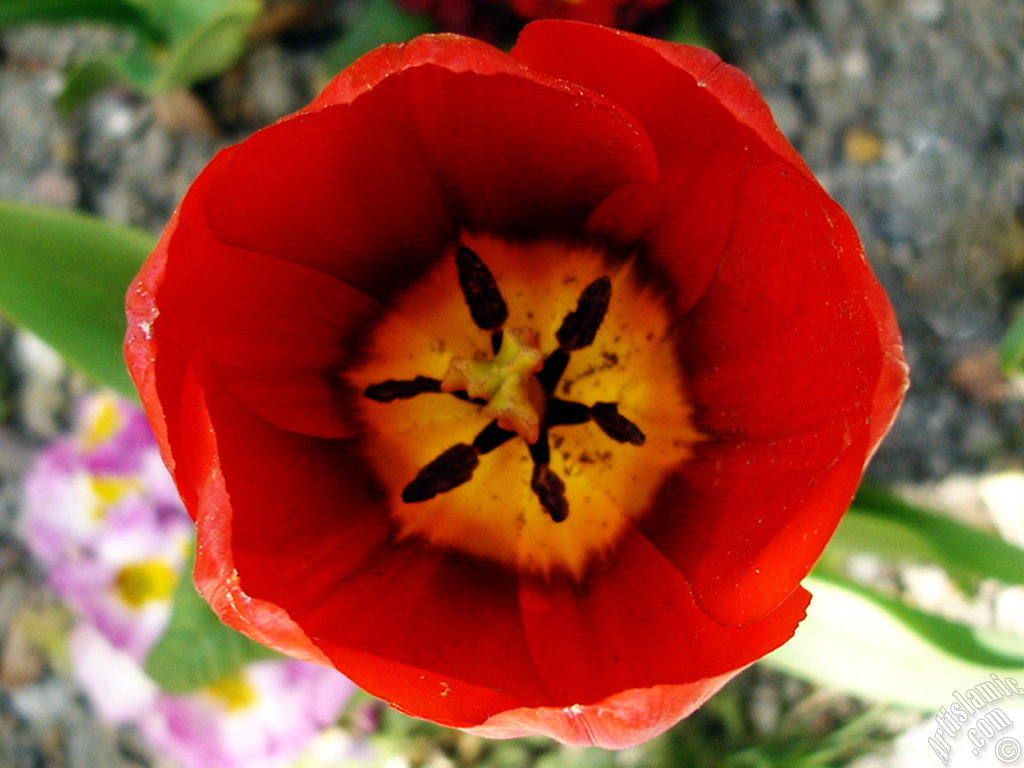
column 634, row 624
column 797, row 371
column 708, row 124
column 275, row 329
column 612, row 62
column 619, row 721
column 202, row 479
column 454, row 133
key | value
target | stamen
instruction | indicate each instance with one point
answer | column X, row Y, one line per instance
column 395, row 389
column 563, row 412
column 548, row 487
column 449, row 470
column 550, row 492
column 486, row 304
column 580, row 326
column 615, row 425
column 553, row 369
column 492, row 436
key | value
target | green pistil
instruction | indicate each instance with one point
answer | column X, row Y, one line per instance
column 504, row 382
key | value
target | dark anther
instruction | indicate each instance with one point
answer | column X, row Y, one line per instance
column 615, row 425
column 548, row 487
column 492, row 436
column 550, row 492
column 449, row 470
column 566, row 412
column 481, row 291
column 394, row 389
column 496, row 338
column 580, row 326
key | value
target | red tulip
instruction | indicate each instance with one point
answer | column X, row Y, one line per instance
column 522, row 388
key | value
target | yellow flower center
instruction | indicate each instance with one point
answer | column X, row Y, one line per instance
column 233, row 692
column 144, row 582
column 597, row 373
column 108, row 490
column 103, row 421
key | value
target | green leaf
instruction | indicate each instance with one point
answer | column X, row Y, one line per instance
column 207, row 49
column 86, row 79
column 883, row 525
column 197, row 649
column 1011, row 350
column 378, row 22
column 114, row 11
column 64, row 277
column 881, row 649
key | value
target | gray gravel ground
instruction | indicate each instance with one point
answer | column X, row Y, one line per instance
column 910, row 111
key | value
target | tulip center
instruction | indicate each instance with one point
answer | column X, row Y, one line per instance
column 524, row 403
column 507, row 384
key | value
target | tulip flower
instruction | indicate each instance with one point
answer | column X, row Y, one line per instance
column 522, row 388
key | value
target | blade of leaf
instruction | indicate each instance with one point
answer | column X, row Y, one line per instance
column 880, row 649
column 1011, row 349
column 86, row 79
column 884, row 525
column 179, row 18
column 208, row 49
column 64, row 277
column 377, row 22
column 115, row 11
column 197, row 649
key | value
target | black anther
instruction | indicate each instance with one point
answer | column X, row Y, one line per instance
column 615, row 425
column 550, row 491
column 486, row 304
column 449, row 470
column 394, row 389
column 580, row 326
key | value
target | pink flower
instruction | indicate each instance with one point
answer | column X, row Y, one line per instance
column 102, row 516
column 262, row 717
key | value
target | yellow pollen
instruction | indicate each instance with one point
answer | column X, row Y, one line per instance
column 234, row 692
column 504, row 382
column 141, row 583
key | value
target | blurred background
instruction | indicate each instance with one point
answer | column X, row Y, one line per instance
column 910, row 112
